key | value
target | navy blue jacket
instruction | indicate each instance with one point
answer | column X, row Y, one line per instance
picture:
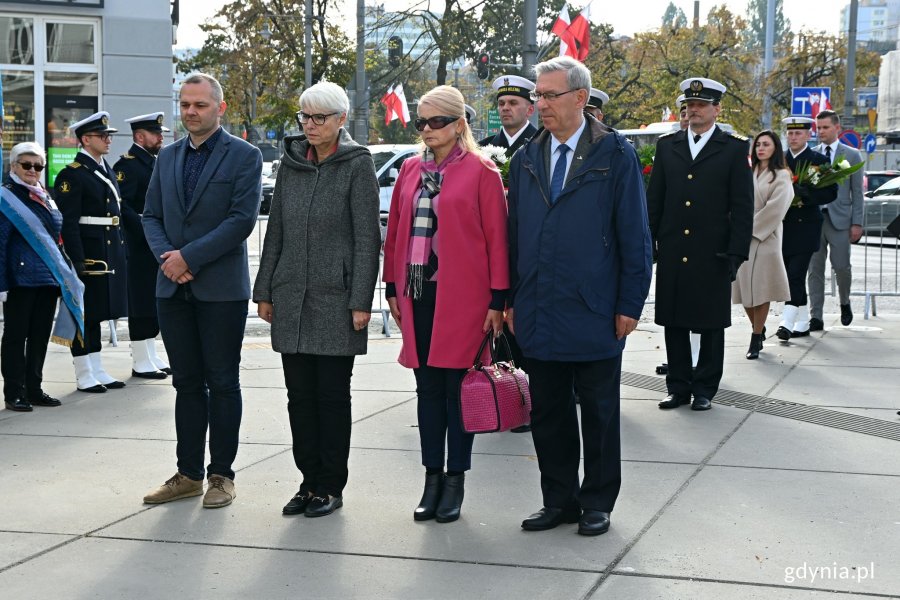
column 22, row 267
column 578, row 263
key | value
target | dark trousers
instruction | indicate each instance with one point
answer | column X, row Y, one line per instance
column 142, row 328
column 796, row 266
column 682, row 378
column 92, row 340
column 203, row 341
column 27, row 324
column 438, row 397
column 318, row 389
column 554, row 428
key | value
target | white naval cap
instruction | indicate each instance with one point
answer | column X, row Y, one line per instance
column 151, row 122
column 99, row 121
column 598, row 99
column 796, row 122
column 679, row 101
column 513, row 85
column 470, row 113
column 701, row 88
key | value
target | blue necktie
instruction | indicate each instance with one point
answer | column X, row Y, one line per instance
column 559, row 173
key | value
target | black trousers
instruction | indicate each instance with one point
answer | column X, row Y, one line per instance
column 682, row 378
column 796, row 266
column 554, row 428
column 27, row 324
column 92, row 340
column 142, row 328
column 318, row 390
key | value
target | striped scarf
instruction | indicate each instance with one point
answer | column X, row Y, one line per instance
column 423, row 261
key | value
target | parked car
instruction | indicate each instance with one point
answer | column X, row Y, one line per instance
column 388, row 158
column 882, row 207
column 268, row 186
column 872, row 180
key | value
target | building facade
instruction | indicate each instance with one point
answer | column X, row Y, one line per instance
column 876, row 21
column 61, row 60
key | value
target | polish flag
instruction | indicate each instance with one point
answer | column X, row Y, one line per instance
column 388, row 101
column 574, row 35
column 819, row 102
column 668, row 115
column 395, row 106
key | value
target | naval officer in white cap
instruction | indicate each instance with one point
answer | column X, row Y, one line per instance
column 515, row 107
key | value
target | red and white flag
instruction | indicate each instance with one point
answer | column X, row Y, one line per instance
column 574, row 35
column 819, row 102
column 668, row 115
column 395, row 106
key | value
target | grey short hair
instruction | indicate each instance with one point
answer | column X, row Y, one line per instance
column 217, row 94
column 578, row 77
column 325, row 96
column 26, row 148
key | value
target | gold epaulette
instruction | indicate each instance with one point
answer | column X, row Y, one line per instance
column 74, row 164
column 128, row 156
column 738, row 136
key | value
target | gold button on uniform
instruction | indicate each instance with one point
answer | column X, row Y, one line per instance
column 688, row 203
column 108, row 243
column 687, row 232
column 684, row 259
column 690, row 176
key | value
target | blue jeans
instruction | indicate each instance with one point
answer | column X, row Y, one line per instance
column 203, row 341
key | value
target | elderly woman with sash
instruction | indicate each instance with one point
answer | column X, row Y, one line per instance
column 34, row 273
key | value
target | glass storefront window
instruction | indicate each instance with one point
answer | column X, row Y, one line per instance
column 18, row 111
column 70, row 43
column 68, row 98
column 19, row 37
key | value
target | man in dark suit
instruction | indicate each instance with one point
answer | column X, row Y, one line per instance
column 201, row 206
column 700, row 203
column 88, row 197
column 515, row 108
column 133, row 172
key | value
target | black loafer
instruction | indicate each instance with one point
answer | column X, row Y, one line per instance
column 549, row 517
column 593, row 522
column 816, row 324
column 149, row 374
column 44, row 399
column 94, row 389
column 166, row 370
column 320, row 507
column 675, row 400
column 783, row 333
column 701, row 403
column 846, row 315
column 19, row 405
column 796, row 334
column 114, row 385
column 297, row 504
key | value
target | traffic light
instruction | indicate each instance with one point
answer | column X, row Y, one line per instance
column 395, row 50
column 483, row 65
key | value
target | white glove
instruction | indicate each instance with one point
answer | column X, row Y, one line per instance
column 3, row 296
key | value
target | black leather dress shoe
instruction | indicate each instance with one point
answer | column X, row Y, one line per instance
column 796, row 334
column 675, row 400
column 549, row 517
column 319, row 506
column 701, row 403
column 44, row 399
column 783, row 333
column 297, row 504
column 19, row 405
column 816, row 324
column 593, row 522
column 846, row 315
column 114, row 385
column 94, row 389
column 166, row 370
column 149, row 374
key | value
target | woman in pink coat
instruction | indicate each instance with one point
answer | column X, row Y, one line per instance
column 446, row 271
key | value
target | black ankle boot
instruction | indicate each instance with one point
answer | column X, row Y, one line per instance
column 434, row 483
column 756, row 344
column 451, row 498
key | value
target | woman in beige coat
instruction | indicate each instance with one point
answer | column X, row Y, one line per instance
column 763, row 279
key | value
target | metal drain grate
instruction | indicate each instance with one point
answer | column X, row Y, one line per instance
column 782, row 408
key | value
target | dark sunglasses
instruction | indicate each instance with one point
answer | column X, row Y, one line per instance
column 38, row 167
column 434, row 122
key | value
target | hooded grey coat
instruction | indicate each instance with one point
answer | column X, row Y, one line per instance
column 320, row 256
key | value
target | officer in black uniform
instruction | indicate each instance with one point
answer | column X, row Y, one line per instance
column 88, row 198
column 700, row 205
column 802, row 227
column 133, row 172
column 596, row 101
column 515, row 107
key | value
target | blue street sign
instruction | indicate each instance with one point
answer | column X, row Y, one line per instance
column 271, row 133
column 803, row 98
column 870, row 143
column 851, row 138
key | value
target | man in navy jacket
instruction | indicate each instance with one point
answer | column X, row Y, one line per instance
column 581, row 267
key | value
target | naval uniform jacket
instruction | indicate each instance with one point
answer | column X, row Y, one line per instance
column 803, row 225
column 701, row 211
column 133, row 172
column 82, row 189
column 500, row 141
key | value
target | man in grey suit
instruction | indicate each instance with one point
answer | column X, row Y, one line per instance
column 201, row 206
column 842, row 226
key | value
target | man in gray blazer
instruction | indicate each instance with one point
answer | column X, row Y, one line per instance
column 201, row 206
column 842, row 225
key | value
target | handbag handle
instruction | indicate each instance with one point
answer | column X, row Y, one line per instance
column 509, row 355
column 476, row 362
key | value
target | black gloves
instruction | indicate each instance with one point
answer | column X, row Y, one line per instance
column 802, row 191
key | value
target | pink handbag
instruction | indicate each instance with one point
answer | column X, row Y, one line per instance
column 494, row 397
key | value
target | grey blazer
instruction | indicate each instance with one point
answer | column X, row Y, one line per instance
column 212, row 232
column 847, row 209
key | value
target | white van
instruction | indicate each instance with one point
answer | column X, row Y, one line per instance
column 388, row 158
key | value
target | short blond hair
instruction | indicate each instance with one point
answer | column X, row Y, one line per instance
column 450, row 102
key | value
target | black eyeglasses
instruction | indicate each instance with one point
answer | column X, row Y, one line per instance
column 434, row 122
column 318, row 119
column 548, row 96
column 103, row 136
column 38, row 167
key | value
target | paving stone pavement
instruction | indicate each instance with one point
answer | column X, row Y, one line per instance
column 730, row 503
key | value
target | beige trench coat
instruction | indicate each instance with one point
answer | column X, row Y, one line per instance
column 763, row 278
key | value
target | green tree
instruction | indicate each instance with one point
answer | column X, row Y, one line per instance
column 673, row 17
column 755, row 34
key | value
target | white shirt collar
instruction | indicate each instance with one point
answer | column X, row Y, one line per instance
column 572, row 142
column 99, row 162
column 834, row 148
column 511, row 139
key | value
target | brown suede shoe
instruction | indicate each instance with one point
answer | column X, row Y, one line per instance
column 176, row 488
column 219, row 492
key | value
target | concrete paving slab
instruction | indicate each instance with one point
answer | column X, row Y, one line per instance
column 774, row 442
column 751, row 525
column 17, row 546
column 658, row 588
column 136, row 569
column 377, row 516
column 840, row 387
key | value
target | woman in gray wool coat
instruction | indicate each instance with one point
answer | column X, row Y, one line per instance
column 315, row 285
